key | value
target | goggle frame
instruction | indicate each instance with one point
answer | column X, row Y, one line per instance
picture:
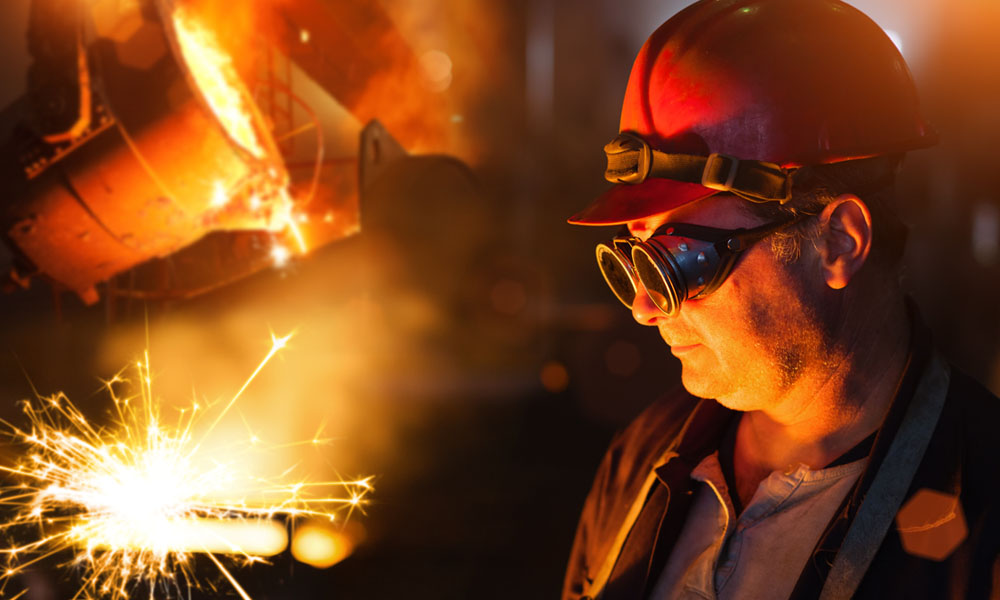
column 679, row 262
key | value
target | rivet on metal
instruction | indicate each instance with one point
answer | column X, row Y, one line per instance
column 701, row 281
column 734, row 244
column 702, row 259
column 683, row 247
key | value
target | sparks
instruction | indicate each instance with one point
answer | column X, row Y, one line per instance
column 287, row 219
column 131, row 503
column 280, row 255
column 220, row 197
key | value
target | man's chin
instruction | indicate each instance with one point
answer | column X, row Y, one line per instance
column 705, row 386
column 738, row 402
column 700, row 385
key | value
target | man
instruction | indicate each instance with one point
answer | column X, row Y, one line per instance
column 820, row 446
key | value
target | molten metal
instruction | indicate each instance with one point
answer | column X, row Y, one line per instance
column 219, row 83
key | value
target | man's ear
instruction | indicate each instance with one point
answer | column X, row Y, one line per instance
column 845, row 239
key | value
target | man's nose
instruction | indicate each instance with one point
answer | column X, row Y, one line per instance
column 643, row 309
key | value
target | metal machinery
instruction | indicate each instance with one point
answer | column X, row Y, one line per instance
column 148, row 160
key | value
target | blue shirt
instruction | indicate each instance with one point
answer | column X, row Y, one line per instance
column 760, row 553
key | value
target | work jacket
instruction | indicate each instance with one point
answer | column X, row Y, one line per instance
column 944, row 425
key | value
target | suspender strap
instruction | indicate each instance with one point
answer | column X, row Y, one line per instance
column 888, row 489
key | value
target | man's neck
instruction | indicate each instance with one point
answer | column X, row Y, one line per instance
column 836, row 405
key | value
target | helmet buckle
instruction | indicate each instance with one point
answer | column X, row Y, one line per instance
column 630, row 159
column 720, row 172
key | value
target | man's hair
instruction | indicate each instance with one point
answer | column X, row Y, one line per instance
column 871, row 179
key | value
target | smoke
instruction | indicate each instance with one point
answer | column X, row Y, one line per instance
column 420, row 67
column 474, row 36
column 330, row 382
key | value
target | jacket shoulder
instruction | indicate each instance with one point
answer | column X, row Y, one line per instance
column 651, row 433
column 634, row 452
column 629, row 459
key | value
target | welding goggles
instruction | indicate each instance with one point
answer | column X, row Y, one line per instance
column 679, row 262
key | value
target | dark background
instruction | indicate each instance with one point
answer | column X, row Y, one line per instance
column 480, row 376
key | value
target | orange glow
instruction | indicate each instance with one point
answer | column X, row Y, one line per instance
column 219, row 83
column 280, row 255
column 321, row 546
column 255, row 537
column 286, row 218
column 554, row 376
column 220, row 197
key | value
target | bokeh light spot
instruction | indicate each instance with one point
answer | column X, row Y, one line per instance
column 554, row 376
column 437, row 70
column 320, row 546
column 931, row 524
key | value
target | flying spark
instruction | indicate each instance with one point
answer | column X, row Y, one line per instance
column 132, row 503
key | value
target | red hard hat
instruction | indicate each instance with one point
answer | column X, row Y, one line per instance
column 785, row 82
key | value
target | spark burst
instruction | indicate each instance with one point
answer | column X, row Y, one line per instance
column 132, row 502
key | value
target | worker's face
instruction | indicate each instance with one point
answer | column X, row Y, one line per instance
column 754, row 336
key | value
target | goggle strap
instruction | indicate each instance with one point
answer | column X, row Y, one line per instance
column 741, row 239
column 695, row 232
column 631, row 160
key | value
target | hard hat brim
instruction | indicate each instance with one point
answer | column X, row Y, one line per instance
column 624, row 202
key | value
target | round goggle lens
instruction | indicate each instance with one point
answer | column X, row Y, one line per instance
column 617, row 272
column 659, row 282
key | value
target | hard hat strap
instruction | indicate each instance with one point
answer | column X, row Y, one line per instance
column 631, row 160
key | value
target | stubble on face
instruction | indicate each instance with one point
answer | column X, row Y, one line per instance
column 760, row 339
column 761, row 332
column 783, row 347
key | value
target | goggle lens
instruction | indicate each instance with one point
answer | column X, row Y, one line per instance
column 659, row 282
column 617, row 272
column 687, row 261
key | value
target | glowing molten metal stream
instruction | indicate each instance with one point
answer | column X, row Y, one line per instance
column 215, row 76
column 218, row 81
column 133, row 501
